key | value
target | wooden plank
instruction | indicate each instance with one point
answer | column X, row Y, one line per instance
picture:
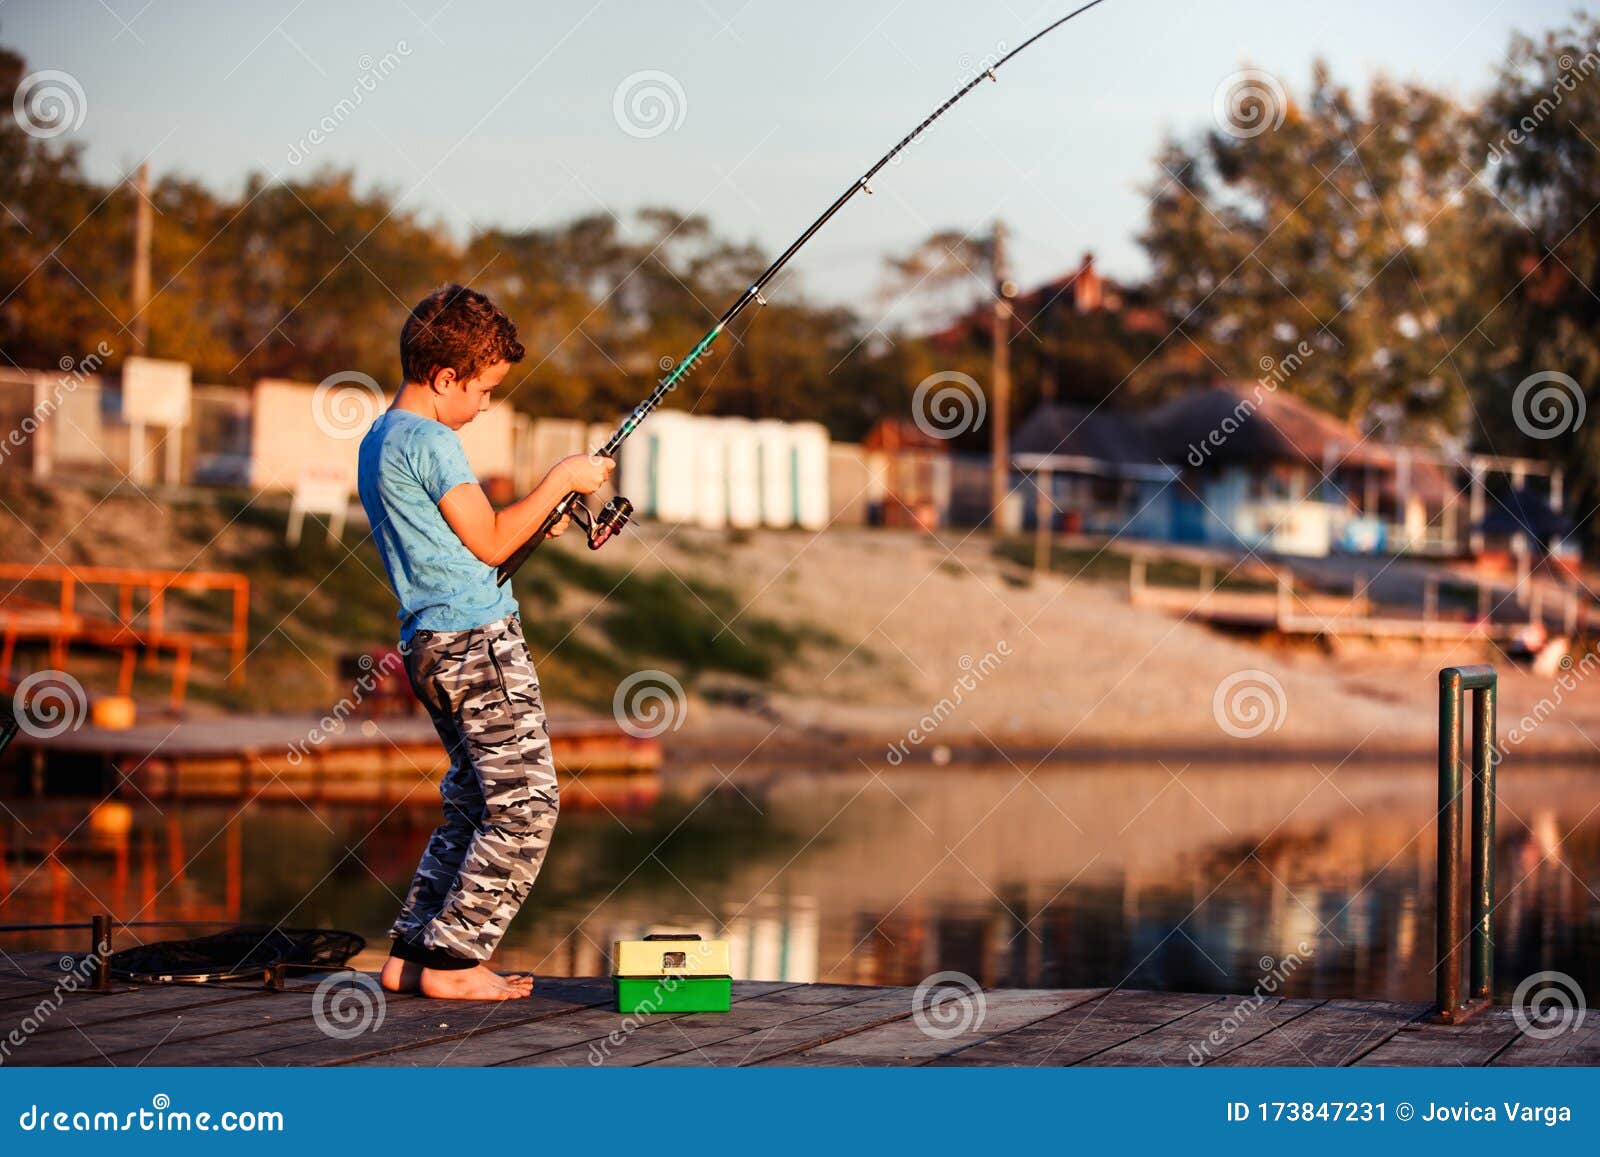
column 95, row 1026
column 1474, row 1043
column 906, row 1042
column 1212, row 1032
column 18, row 994
column 1082, row 1031
column 488, row 1043
column 1337, row 1033
column 572, row 1022
column 687, row 1034
column 158, row 1035
column 423, row 1021
column 575, row 1032
column 80, row 1009
column 669, row 1038
column 42, row 967
column 833, row 993
column 1577, row 1046
column 406, row 1020
column 747, row 989
column 829, row 1023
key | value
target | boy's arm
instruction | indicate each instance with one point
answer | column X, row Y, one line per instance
column 492, row 536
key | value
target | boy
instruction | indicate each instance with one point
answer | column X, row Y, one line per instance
column 462, row 639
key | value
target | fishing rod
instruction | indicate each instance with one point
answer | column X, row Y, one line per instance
column 614, row 515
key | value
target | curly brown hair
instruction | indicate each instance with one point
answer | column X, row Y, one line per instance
column 459, row 329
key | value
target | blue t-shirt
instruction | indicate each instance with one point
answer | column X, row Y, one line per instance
column 407, row 464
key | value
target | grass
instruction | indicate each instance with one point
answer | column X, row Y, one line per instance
column 696, row 626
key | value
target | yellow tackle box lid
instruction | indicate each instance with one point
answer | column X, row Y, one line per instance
column 672, row 954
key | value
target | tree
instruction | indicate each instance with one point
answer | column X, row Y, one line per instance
column 1349, row 225
column 1540, row 147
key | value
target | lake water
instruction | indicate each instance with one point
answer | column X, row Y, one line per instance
column 1199, row 879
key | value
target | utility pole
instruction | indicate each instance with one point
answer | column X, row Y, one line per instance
column 143, row 232
column 1000, row 390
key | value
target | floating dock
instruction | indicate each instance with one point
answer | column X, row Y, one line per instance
column 273, row 757
column 574, row 1022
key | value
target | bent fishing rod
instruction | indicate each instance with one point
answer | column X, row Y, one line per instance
column 614, row 515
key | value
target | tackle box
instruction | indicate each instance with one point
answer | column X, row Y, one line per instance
column 673, row 972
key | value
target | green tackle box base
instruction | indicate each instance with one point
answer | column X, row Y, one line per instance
column 649, row 994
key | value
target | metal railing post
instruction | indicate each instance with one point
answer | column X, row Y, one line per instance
column 1447, row 908
column 1454, row 683
column 1483, row 761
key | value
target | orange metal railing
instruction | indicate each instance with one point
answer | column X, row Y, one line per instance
column 137, row 619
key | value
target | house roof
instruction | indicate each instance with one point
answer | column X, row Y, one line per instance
column 1224, row 424
column 1245, row 422
column 1239, row 421
column 1076, row 431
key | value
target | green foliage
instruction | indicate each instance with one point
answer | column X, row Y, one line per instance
column 947, row 283
column 1540, row 143
column 696, row 627
column 1351, row 226
column 1432, row 252
column 312, row 275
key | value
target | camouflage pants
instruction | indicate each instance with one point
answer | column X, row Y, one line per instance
column 500, row 796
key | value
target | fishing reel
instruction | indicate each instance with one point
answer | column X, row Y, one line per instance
column 599, row 527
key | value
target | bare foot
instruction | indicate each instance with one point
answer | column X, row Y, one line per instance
column 521, row 985
column 478, row 983
column 401, row 975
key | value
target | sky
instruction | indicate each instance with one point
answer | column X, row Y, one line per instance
column 498, row 113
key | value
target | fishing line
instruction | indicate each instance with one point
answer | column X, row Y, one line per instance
column 614, row 515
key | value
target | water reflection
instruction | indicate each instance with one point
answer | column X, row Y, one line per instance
column 1197, row 879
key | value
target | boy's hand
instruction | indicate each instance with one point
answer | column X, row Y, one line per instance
column 586, row 473
column 560, row 527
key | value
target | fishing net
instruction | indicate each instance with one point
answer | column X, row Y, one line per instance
column 246, row 951
column 9, row 726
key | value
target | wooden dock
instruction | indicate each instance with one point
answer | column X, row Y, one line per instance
column 273, row 757
column 572, row 1022
column 1290, row 609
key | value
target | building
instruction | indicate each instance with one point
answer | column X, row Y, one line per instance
column 1237, row 464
